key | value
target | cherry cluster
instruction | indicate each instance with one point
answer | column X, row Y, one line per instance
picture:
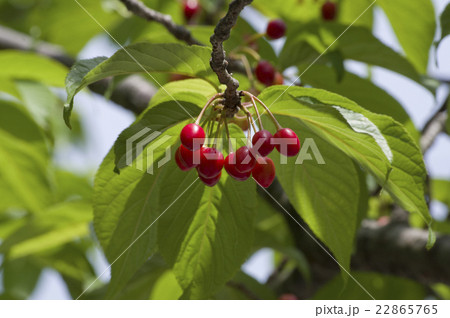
column 248, row 160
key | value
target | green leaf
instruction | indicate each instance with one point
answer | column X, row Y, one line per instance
column 406, row 176
column 78, row 26
column 58, row 225
column 166, row 287
column 323, row 194
column 207, row 234
column 204, row 252
column 414, row 24
column 7, row 86
column 445, row 24
column 20, row 277
column 39, row 100
column 314, row 109
column 440, row 190
column 143, row 282
column 24, row 160
column 253, row 289
column 350, row 12
column 381, row 287
column 176, row 102
column 362, row 91
column 126, row 204
column 70, row 186
column 357, row 43
column 154, row 280
column 74, row 81
column 71, row 262
column 271, row 229
column 30, row 66
column 143, row 58
column 289, row 10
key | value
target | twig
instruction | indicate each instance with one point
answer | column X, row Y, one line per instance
column 434, row 127
column 219, row 63
column 179, row 31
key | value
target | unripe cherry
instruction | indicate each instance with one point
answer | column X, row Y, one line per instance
column 230, row 167
column 192, row 136
column 265, row 73
column 276, row 29
column 264, row 171
column 286, row 142
column 210, row 182
column 329, row 11
column 262, row 142
column 245, row 161
column 211, row 162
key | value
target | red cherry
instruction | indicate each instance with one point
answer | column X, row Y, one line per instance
column 262, row 143
column 329, row 11
column 265, row 73
column 245, row 161
column 288, row 297
column 286, row 142
column 210, row 182
column 192, row 136
column 230, row 167
column 276, row 29
column 190, row 158
column 211, row 162
column 191, row 8
column 264, row 171
column 180, row 163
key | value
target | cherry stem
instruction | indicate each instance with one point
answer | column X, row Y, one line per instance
column 252, row 123
column 230, row 146
column 210, row 128
column 207, row 120
column 248, row 69
column 254, row 37
column 245, row 47
column 251, row 52
column 206, row 106
column 274, row 120
column 219, row 125
column 257, row 112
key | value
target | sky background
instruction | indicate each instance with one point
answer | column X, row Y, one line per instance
column 103, row 121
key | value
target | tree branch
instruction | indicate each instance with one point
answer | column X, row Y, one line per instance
column 11, row 39
column 179, row 31
column 400, row 250
column 133, row 93
column 394, row 249
column 218, row 57
column 434, row 127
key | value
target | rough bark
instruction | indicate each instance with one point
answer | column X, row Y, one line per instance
column 218, row 62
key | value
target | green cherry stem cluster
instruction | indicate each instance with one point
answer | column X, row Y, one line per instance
column 197, row 149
